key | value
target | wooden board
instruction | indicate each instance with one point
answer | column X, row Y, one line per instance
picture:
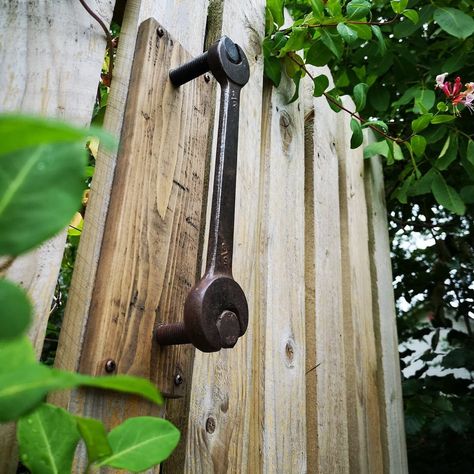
column 149, row 255
column 389, row 379
column 36, row 76
column 224, row 434
column 326, row 418
column 365, row 449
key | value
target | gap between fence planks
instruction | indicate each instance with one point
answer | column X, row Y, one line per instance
column 326, row 407
column 389, row 376
column 365, row 449
column 36, row 76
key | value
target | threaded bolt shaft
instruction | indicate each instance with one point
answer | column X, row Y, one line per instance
column 171, row 334
column 190, row 70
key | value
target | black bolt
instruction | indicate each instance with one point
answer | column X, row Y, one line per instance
column 232, row 51
column 178, row 379
column 207, row 77
column 160, row 32
column 228, row 327
column 110, row 366
column 210, row 425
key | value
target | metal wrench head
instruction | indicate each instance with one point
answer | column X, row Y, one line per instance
column 215, row 313
column 228, row 62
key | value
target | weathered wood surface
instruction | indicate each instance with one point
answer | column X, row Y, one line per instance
column 389, row 380
column 150, row 249
column 282, row 271
column 365, row 449
column 37, row 76
column 226, row 395
column 326, row 416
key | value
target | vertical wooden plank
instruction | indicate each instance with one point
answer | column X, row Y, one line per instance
column 365, row 449
column 326, row 408
column 37, row 76
column 283, row 275
column 389, row 381
column 224, row 426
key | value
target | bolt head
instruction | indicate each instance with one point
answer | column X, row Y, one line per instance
column 110, row 366
column 160, row 32
column 210, row 425
column 178, row 379
column 207, row 77
column 228, row 327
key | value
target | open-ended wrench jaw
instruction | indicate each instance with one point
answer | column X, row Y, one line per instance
column 216, row 310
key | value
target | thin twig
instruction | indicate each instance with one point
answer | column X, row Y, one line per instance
column 334, row 25
column 4, row 266
column 110, row 42
column 353, row 114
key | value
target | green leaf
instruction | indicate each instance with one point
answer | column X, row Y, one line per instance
column 378, row 34
column 296, row 41
column 467, row 194
column 360, row 95
column 454, row 21
column 357, row 136
column 321, row 83
column 379, row 98
column 447, row 196
column 15, row 310
column 421, row 123
column 140, row 443
column 379, row 124
column 23, row 131
column 442, row 107
column 23, row 389
column 16, row 353
column 334, row 7
column 41, row 188
column 358, row 9
column 412, row 15
column 334, row 100
column 418, row 144
column 399, row 5
column 95, row 437
column 424, row 100
column 333, row 42
column 397, row 152
column 448, row 153
column 276, row 9
column 442, row 119
column 271, row 64
column 347, row 33
column 423, row 185
column 377, row 148
column 318, row 54
column 363, row 31
column 296, row 79
column 47, row 440
column 318, row 8
column 470, row 152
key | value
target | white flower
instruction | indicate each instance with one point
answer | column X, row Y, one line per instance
column 440, row 80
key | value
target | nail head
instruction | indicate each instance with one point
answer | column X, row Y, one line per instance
column 110, row 366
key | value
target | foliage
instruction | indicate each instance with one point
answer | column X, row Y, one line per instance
column 41, row 169
column 400, row 62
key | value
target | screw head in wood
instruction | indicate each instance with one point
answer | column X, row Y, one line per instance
column 110, row 366
column 207, row 77
column 160, row 32
column 210, row 425
column 178, row 379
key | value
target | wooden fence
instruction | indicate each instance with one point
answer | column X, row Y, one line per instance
column 314, row 386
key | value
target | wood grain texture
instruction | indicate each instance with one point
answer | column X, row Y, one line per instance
column 389, row 381
column 37, row 76
column 227, row 386
column 189, row 30
column 149, row 254
column 282, row 304
column 327, row 433
column 365, row 449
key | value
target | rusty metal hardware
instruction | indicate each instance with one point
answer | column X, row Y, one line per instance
column 216, row 310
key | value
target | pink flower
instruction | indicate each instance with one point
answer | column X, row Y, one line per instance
column 440, row 80
column 453, row 91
